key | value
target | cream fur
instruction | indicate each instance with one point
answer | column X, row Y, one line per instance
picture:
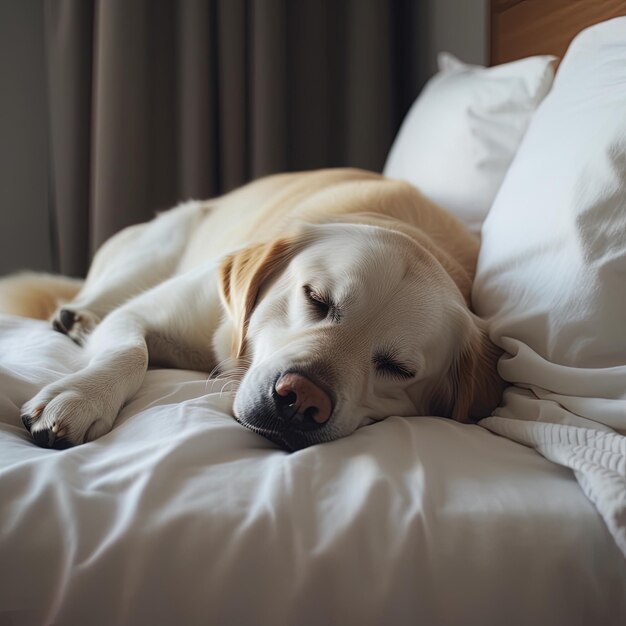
column 223, row 285
column 36, row 295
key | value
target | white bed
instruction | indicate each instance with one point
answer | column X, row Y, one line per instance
column 182, row 516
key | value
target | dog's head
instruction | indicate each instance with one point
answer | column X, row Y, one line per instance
column 346, row 324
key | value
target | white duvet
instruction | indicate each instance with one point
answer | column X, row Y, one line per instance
column 182, row 516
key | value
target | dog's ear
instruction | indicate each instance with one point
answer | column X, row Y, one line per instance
column 473, row 388
column 479, row 386
column 241, row 276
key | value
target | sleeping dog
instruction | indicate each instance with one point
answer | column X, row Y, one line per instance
column 335, row 297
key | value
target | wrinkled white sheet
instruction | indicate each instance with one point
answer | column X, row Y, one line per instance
column 181, row 516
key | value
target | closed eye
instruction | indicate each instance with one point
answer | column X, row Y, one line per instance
column 321, row 304
column 386, row 366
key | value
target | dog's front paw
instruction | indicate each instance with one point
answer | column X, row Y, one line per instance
column 75, row 324
column 62, row 415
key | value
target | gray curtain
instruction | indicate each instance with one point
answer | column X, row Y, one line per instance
column 156, row 101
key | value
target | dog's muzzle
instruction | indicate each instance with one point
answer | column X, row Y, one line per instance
column 292, row 412
column 301, row 403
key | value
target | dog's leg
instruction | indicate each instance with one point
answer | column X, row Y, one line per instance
column 171, row 324
column 132, row 261
column 83, row 406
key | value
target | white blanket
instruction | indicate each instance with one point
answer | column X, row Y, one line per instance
column 182, row 516
column 539, row 418
column 597, row 458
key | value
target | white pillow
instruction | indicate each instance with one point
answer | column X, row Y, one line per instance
column 552, row 267
column 457, row 141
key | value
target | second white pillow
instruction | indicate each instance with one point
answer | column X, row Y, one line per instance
column 459, row 137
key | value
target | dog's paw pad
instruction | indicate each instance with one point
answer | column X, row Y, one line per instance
column 44, row 426
column 63, row 321
column 46, row 433
column 51, row 438
column 68, row 413
column 44, row 437
column 75, row 324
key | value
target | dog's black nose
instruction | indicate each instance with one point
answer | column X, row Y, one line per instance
column 301, row 402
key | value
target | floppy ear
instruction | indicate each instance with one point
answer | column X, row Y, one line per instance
column 479, row 386
column 241, row 276
column 473, row 387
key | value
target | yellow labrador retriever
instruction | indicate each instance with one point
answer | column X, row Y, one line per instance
column 336, row 297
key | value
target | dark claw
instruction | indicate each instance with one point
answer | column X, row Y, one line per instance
column 27, row 420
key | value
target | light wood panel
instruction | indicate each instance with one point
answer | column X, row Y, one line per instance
column 521, row 28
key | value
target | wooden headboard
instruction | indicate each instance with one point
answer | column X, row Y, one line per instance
column 521, row 28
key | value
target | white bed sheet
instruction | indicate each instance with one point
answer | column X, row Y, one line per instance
column 182, row 516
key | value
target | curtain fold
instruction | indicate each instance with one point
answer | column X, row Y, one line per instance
column 69, row 32
column 197, row 97
column 152, row 102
